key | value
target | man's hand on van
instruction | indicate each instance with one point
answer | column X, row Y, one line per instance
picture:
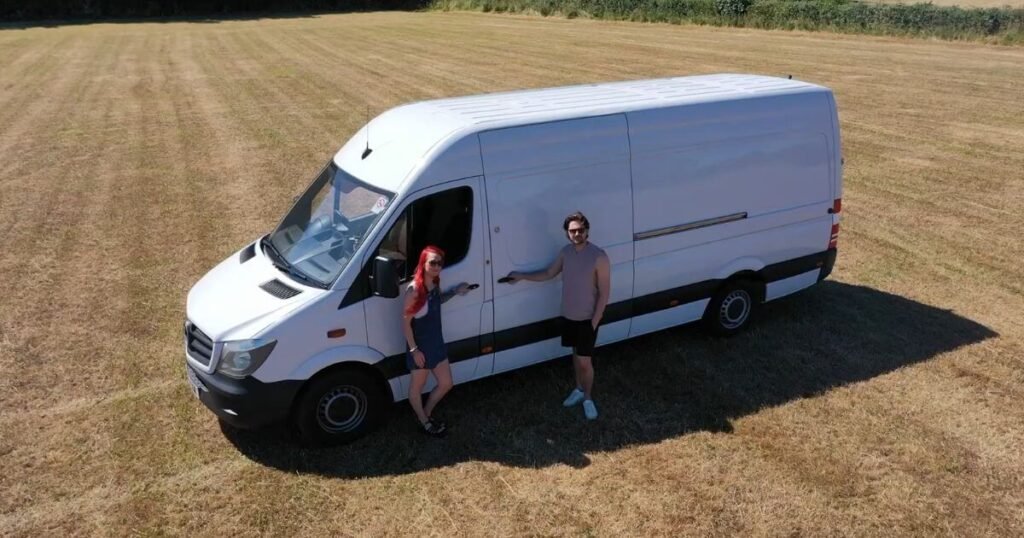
column 512, row 278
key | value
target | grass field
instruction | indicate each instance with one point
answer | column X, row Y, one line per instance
column 133, row 157
column 961, row 3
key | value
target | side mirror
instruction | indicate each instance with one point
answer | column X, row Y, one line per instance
column 384, row 279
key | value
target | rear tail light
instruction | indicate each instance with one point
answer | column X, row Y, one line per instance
column 837, row 206
column 834, row 239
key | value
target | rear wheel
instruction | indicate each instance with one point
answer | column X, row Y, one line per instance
column 339, row 407
column 732, row 307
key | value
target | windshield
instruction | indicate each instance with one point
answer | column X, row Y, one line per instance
column 322, row 231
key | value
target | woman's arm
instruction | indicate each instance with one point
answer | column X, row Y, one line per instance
column 460, row 289
column 410, row 298
column 410, row 337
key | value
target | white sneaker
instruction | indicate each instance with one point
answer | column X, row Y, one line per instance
column 575, row 397
column 589, row 409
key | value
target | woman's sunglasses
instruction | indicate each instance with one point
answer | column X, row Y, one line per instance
column 435, row 263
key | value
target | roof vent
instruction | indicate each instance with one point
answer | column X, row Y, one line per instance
column 279, row 289
column 247, row 254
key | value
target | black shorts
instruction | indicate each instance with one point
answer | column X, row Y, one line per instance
column 579, row 335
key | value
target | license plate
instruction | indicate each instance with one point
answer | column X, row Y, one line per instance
column 193, row 381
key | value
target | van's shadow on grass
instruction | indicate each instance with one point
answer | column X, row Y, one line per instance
column 649, row 389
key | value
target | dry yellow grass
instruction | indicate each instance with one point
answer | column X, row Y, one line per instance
column 962, row 3
column 133, row 157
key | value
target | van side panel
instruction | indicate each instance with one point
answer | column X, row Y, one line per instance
column 758, row 175
column 734, row 185
column 536, row 175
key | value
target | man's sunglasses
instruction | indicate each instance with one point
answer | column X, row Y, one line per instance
column 574, row 231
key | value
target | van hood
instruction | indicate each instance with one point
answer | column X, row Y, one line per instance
column 237, row 299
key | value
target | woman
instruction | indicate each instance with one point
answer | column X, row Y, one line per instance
column 422, row 327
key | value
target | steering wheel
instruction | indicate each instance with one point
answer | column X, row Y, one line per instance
column 320, row 225
column 344, row 248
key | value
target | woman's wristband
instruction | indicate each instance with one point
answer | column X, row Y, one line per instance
column 413, row 349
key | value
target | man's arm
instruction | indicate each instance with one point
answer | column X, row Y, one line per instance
column 539, row 276
column 604, row 288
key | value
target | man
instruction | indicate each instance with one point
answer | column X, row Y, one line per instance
column 586, row 285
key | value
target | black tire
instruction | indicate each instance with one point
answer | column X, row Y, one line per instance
column 732, row 307
column 339, row 407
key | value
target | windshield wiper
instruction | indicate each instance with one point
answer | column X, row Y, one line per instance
column 275, row 255
column 306, row 278
column 282, row 263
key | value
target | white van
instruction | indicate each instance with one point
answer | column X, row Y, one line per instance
column 710, row 194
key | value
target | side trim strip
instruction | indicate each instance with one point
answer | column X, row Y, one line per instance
column 796, row 266
column 511, row 338
column 664, row 300
column 689, row 226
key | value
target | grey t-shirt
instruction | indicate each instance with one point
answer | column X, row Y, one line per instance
column 579, row 281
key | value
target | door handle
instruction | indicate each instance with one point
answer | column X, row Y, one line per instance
column 473, row 286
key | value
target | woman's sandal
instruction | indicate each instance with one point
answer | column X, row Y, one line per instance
column 432, row 429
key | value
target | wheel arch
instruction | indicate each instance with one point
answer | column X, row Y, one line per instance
column 746, row 268
column 340, row 359
column 747, row 275
column 362, row 367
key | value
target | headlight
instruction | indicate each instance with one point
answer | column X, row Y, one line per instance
column 239, row 359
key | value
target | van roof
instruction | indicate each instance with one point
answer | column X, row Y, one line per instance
column 549, row 104
column 401, row 137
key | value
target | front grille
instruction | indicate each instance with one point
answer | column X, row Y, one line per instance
column 197, row 344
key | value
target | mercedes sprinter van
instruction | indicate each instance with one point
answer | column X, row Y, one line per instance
column 710, row 194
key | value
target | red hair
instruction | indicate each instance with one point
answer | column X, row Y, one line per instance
column 418, row 283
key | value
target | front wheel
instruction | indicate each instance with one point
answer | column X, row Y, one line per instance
column 731, row 308
column 339, row 407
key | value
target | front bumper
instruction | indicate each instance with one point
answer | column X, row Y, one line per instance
column 246, row 403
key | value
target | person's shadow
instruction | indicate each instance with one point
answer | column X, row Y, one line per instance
column 648, row 389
